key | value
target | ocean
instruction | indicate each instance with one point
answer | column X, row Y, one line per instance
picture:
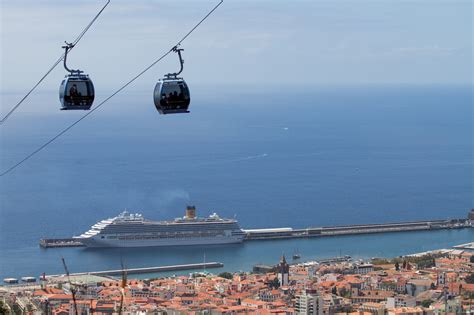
column 277, row 157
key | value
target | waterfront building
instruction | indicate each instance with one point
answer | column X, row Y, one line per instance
column 471, row 215
column 10, row 280
column 364, row 268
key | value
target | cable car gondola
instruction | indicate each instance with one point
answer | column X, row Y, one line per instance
column 171, row 94
column 76, row 90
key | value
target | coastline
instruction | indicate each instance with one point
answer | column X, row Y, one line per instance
column 234, row 257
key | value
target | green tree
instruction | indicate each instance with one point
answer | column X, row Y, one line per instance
column 344, row 292
column 275, row 283
column 426, row 303
column 470, row 278
column 226, row 275
column 3, row 309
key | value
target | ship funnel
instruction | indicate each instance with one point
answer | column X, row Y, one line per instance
column 190, row 212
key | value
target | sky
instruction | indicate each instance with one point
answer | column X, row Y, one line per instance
column 254, row 43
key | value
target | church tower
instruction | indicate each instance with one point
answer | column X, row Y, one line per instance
column 283, row 270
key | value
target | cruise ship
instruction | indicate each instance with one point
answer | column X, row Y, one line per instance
column 132, row 230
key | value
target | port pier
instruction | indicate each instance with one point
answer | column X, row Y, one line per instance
column 207, row 265
column 286, row 233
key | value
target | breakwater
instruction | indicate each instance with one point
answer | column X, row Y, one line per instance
column 285, row 233
column 147, row 269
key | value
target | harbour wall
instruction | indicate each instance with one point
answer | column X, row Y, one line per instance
column 285, row 233
column 147, row 269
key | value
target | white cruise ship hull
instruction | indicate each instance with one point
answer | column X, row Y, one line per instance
column 132, row 230
column 97, row 241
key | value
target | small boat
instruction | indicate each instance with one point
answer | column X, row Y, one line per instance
column 296, row 256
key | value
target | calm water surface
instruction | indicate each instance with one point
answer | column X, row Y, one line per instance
column 286, row 157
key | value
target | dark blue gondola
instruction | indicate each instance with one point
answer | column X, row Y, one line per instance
column 76, row 90
column 171, row 95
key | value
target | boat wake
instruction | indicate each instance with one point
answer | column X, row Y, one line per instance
column 235, row 160
column 250, row 157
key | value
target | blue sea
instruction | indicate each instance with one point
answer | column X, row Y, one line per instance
column 273, row 157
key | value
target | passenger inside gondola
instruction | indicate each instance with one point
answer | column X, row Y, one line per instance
column 173, row 96
column 73, row 90
column 172, row 99
column 78, row 94
column 163, row 100
column 75, row 95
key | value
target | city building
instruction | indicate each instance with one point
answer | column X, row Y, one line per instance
column 309, row 303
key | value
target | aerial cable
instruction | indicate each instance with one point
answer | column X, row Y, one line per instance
column 112, row 95
column 78, row 38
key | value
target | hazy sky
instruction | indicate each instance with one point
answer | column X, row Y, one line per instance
column 255, row 42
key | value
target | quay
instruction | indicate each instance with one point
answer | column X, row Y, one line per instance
column 288, row 232
column 285, row 233
column 146, row 270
